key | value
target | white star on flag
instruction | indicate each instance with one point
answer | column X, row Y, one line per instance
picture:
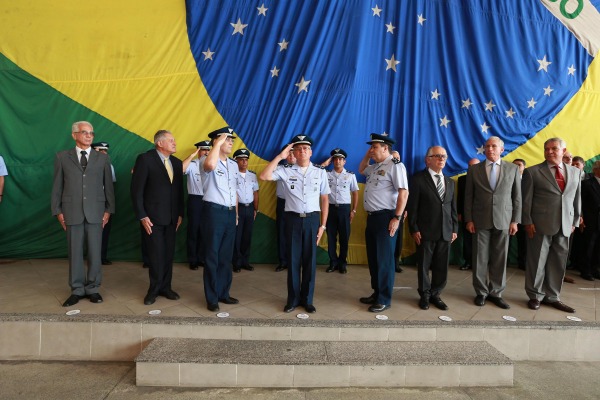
column 489, row 106
column 238, row 27
column 548, row 90
column 391, row 63
column 283, row 45
column 390, row 28
column 421, row 19
column 531, row 103
column 510, row 113
column 377, row 11
column 262, row 10
column 445, row 121
column 485, row 127
column 435, row 94
column 544, row 64
column 466, row 103
column 480, row 150
column 208, row 55
column 302, row 85
column 274, row 72
column 571, row 70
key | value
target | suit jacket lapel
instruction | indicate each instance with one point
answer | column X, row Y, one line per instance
column 75, row 159
column 481, row 171
column 432, row 183
column 161, row 165
column 545, row 171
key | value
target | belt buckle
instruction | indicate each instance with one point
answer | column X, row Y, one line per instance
column 302, row 215
column 230, row 208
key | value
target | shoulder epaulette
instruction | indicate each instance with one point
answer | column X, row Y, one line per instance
column 319, row 166
column 396, row 160
column 288, row 165
column 350, row 172
column 252, row 172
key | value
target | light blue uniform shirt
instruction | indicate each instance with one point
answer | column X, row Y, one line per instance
column 246, row 186
column 220, row 184
column 302, row 191
column 194, row 180
column 383, row 182
column 341, row 185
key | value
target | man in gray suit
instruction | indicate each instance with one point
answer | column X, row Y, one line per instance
column 551, row 211
column 83, row 200
column 492, row 212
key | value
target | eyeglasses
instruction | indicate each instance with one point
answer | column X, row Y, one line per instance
column 86, row 133
column 439, row 156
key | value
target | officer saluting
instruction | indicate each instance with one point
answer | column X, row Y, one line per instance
column 386, row 193
column 305, row 187
column 219, row 208
column 343, row 200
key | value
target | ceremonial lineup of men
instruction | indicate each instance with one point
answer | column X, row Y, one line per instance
column 542, row 205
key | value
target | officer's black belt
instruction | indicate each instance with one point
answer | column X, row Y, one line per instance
column 379, row 212
column 195, row 195
column 302, row 215
column 340, row 205
column 245, row 205
column 219, row 207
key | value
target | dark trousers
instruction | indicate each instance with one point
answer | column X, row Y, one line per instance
column 243, row 235
column 591, row 265
column 145, row 251
column 301, row 233
column 280, row 225
column 433, row 255
column 521, row 246
column 380, row 254
column 195, row 248
column 219, row 235
column 338, row 222
column 161, row 250
column 105, row 237
column 577, row 250
column 467, row 245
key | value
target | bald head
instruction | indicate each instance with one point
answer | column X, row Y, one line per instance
column 474, row 161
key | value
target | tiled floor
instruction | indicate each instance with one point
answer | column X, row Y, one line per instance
column 40, row 286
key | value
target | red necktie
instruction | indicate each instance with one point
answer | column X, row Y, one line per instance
column 559, row 179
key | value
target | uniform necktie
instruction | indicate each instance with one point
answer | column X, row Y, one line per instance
column 559, row 178
column 169, row 169
column 83, row 160
column 439, row 186
column 493, row 178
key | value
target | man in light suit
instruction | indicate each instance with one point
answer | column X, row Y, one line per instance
column 492, row 212
column 157, row 194
column 82, row 200
column 551, row 211
column 433, row 224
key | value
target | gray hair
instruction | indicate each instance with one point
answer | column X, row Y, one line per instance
column 75, row 126
column 561, row 142
column 496, row 138
column 430, row 149
column 160, row 135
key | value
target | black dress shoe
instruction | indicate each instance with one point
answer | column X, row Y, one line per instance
column 378, row 308
column 331, row 268
column 201, row 264
column 424, row 303
column 237, row 269
column 369, row 300
column 465, row 267
column 343, row 269
column 146, row 265
column 229, row 300
column 72, row 300
column 499, row 301
column 397, row 267
column 193, row 266
column 170, row 294
column 480, row 300
column 436, row 301
column 248, row 267
column 534, row 304
column 96, row 298
column 106, row 262
column 280, row 268
column 213, row 307
column 587, row 277
column 288, row 308
column 149, row 299
column 310, row 308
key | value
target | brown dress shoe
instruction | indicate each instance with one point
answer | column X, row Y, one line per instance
column 568, row 279
column 559, row 305
column 534, row 304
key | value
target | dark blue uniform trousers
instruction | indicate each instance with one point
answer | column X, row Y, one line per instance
column 219, row 235
column 338, row 222
column 302, row 256
column 195, row 247
column 280, row 225
column 243, row 235
column 380, row 254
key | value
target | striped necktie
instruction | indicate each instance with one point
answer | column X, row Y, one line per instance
column 439, row 186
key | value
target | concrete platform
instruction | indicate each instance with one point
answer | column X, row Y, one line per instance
column 260, row 363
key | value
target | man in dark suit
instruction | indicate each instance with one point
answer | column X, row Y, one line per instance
column 492, row 212
column 460, row 208
column 157, row 194
column 551, row 211
column 521, row 235
column 83, row 199
column 590, row 205
column 433, row 223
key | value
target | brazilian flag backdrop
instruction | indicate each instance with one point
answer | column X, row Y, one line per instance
column 445, row 72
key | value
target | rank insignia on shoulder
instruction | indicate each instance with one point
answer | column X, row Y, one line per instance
column 288, row 165
column 319, row 166
column 252, row 172
column 350, row 172
column 396, row 160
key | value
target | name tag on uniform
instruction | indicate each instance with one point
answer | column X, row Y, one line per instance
column 219, row 172
column 381, row 172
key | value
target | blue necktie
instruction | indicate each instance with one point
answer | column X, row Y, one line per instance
column 493, row 179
